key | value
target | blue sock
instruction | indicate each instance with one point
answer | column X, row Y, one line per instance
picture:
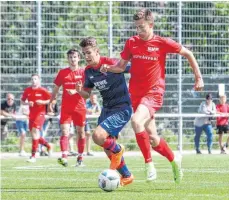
column 124, row 170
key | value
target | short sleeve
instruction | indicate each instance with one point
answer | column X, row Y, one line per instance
column 126, row 54
column 87, row 81
column 24, row 95
column 58, row 79
column 171, row 46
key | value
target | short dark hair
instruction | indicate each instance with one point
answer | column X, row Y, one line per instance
column 35, row 75
column 73, row 50
column 144, row 13
column 209, row 96
column 88, row 41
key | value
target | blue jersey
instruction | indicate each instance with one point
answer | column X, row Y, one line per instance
column 112, row 86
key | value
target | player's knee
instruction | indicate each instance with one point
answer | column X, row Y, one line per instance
column 136, row 123
column 65, row 132
column 98, row 138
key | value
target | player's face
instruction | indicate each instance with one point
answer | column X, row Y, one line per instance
column 35, row 80
column 73, row 59
column 91, row 55
column 144, row 28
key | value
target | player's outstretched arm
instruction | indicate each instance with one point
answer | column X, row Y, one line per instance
column 199, row 83
column 119, row 67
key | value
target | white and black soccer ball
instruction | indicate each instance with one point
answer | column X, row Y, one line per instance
column 109, row 180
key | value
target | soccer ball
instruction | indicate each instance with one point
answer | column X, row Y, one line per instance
column 109, row 180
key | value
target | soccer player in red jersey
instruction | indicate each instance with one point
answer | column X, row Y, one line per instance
column 37, row 97
column 222, row 122
column 147, row 53
column 73, row 107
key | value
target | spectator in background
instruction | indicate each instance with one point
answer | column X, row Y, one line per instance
column 222, row 122
column 204, row 123
column 8, row 109
column 93, row 108
column 22, row 127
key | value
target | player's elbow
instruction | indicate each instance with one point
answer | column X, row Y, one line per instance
column 186, row 53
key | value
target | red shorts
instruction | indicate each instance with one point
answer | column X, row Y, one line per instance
column 36, row 121
column 153, row 101
column 78, row 117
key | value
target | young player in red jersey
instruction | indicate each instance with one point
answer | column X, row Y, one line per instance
column 73, row 107
column 37, row 97
column 147, row 53
column 222, row 122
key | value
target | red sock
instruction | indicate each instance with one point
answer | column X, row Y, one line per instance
column 44, row 142
column 64, row 146
column 164, row 150
column 110, row 144
column 144, row 145
column 81, row 145
column 34, row 147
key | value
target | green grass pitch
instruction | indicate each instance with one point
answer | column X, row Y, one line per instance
column 205, row 177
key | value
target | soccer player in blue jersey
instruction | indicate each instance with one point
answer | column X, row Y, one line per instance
column 116, row 110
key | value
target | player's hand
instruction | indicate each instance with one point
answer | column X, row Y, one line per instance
column 199, row 84
column 31, row 103
column 71, row 91
column 39, row 102
column 51, row 106
column 104, row 68
column 79, row 86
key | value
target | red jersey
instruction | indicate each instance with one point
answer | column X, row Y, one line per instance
column 223, row 108
column 148, row 63
column 68, row 79
column 34, row 94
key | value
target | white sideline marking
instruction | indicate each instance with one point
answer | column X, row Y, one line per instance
column 56, row 168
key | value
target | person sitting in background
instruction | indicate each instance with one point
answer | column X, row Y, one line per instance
column 8, row 109
column 93, row 108
column 222, row 122
column 22, row 127
column 204, row 123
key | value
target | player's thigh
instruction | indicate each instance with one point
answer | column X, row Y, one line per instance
column 79, row 117
column 141, row 115
column 153, row 101
column 65, row 117
column 36, row 122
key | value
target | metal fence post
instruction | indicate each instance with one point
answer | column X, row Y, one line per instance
column 180, row 79
column 39, row 38
column 110, row 30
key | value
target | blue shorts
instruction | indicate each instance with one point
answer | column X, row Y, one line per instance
column 87, row 127
column 22, row 126
column 113, row 120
